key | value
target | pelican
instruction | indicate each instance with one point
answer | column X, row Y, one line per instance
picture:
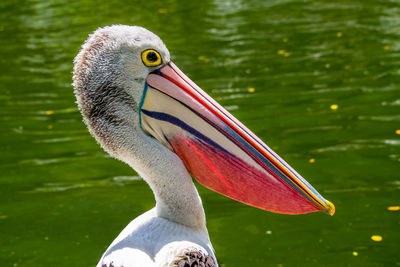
column 147, row 113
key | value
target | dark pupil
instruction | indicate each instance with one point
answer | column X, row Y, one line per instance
column 152, row 57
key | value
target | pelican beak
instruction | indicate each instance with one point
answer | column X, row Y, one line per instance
column 218, row 150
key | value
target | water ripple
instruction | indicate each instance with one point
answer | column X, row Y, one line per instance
column 359, row 144
column 395, row 157
column 78, row 156
column 317, row 128
column 61, row 139
column 220, row 98
column 380, row 118
column 59, row 187
column 363, row 189
column 392, row 103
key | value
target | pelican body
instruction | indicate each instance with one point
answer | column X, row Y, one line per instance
column 146, row 112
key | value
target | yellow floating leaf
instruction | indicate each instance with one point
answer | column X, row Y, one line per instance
column 251, row 90
column 286, row 54
column 50, row 127
column 2, row 217
column 46, row 238
column 281, row 52
column 398, row 131
column 162, row 10
column 355, row 253
column 203, row 58
column 393, row 208
column 49, row 112
column 386, row 47
column 312, row 160
column 334, row 107
column 376, row 238
column 339, row 34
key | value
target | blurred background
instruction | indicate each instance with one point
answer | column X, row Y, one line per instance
column 318, row 81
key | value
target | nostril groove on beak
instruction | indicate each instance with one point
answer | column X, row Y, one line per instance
column 157, row 71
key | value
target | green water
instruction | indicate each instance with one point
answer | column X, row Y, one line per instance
column 63, row 200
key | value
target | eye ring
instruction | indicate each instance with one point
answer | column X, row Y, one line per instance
column 151, row 58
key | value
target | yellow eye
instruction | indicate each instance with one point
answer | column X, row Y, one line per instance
column 151, row 58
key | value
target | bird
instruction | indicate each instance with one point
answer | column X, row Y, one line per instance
column 143, row 110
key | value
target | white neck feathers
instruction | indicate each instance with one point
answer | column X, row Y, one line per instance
column 176, row 196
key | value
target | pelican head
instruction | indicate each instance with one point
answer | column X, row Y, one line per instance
column 109, row 77
column 143, row 110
